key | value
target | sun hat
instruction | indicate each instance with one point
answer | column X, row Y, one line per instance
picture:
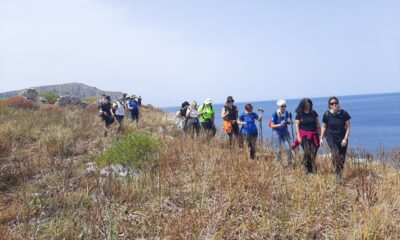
column 281, row 102
column 208, row 101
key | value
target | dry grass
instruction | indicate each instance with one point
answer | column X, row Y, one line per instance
column 193, row 191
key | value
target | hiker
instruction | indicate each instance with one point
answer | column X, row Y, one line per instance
column 106, row 113
column 139, row 100
column 280, row 133
column 192, row 120
column 336, row 129
column 181, row 115
column 230, row 116
column 134, row 108
column 119, row 112
column 307, row 129
column 207, row 118
column 249, row 129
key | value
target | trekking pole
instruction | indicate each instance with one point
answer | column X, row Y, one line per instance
column 291, row 126
column 260, row 113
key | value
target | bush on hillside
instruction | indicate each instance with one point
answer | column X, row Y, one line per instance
column 50, row 96
column 20, row 102
column 89, row 100
column 133, row 150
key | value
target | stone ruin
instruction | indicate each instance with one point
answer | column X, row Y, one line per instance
column 30, row 94
column 69, row 100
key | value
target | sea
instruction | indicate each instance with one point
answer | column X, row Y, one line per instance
column 375, row 119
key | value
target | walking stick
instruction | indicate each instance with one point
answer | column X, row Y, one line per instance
column 260, row 113
column 291, row 126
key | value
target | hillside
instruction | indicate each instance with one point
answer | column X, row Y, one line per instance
column 54, row 184
column 76, row 89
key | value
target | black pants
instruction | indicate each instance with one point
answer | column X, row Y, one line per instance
column 208, row 127
column 108, row 119
column 135, row 115
column 235, row 132
column 251, row 140
column 310, row 152
column 338, row 152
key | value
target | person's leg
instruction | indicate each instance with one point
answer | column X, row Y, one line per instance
column 251, row 142
column 341, row 160
column 335, row 155
column 307, row 148
column 286, row 145
column 276, row 139
column 230, row 137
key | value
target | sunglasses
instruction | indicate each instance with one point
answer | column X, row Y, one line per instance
column 229, row 101
column 333, row 103
column 283, row 106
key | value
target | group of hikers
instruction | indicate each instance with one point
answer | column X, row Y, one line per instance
column 110, row 110
column 309, row 132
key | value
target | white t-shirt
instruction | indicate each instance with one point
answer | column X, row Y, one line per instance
column 192, row 113
column 120, row 110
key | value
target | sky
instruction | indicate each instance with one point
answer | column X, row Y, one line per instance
column 170, row 51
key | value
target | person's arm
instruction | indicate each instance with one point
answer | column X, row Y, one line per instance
column 298, row 130
column 321, row 138
column 224, row 113
column 318, row 127
column 346, row 136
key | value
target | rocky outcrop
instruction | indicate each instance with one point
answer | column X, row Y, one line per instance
column 30, row 93
column 69, row 101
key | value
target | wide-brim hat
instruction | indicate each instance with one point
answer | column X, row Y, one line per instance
column 208, row 101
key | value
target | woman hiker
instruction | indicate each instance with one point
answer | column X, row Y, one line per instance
column 207, row 118
column 336, row 129
column 280, row 133
column 249, row 129
column 106, row 113
column 192, row 120
column 308, row 129
column 119, row 112
column 230, row 116
column 181, row 115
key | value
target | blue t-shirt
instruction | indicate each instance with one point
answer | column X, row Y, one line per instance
column 250, row 126
column 133, row 104
column 278, row 119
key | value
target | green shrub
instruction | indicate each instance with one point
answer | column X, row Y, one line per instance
column 134, row 150
column 50, row 96
column 89, row 100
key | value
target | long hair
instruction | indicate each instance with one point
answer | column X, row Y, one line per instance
column 302, row 103
column 330, row 99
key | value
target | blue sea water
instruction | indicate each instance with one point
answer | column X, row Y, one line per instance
column 375, row 122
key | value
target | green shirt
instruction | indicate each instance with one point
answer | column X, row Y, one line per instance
column 208, row 111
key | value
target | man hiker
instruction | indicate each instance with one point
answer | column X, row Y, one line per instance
column 106, row 113
column 133, row 107
column 207, row 118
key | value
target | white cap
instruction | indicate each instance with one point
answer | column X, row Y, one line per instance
column 208, row 101
column 281, row 102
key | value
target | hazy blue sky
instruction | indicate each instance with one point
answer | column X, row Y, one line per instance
column 169, row 51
